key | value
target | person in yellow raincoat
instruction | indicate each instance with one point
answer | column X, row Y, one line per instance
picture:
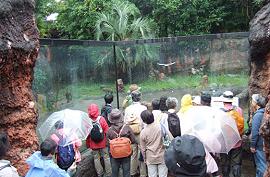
column 186, row 104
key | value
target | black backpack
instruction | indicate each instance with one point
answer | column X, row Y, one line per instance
column 65, row 154
column 174, row 124
column 105, row 111
column 97, row 134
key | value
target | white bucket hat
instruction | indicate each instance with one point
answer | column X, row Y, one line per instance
column 227, row 97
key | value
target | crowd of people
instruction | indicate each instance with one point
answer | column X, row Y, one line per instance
column 159, row 149
column 145, row 139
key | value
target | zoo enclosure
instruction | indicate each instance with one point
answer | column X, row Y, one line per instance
column 75, row 73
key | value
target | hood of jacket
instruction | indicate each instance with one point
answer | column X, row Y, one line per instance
column 260, row 110
column 38, row 161
column 186, row 103
column 186, row 100
column 93, row 111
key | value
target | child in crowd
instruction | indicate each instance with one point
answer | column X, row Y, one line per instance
column 41, row 162
column 6, row 169
column 107, row 108
column 97, row 141
column 73, row 151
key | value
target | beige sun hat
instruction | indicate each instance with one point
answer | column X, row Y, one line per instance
column 227, row 97
column 133, row 87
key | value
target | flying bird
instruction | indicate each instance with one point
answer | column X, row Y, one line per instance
column 168, row 64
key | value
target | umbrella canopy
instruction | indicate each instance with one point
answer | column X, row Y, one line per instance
column 75, row 125
column 216, row 129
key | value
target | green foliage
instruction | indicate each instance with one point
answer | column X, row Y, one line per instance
column 183, row 17
column 242, row 12
column 84, row 90
column 123, row 22
column 43, row 9
column 77, row 18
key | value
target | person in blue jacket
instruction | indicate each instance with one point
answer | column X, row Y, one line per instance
column 41, row 162
column 258, row 103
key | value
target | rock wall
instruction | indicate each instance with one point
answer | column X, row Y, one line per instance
column 86, row 167
column 229, row 55
column 18, row 52
column 260, row 68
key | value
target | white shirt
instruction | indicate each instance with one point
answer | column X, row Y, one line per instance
column 156, row 114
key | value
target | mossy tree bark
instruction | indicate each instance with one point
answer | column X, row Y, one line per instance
column 260, row 69
column 19, row 45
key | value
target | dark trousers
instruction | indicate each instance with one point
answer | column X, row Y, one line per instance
column 117, row 163
column 232, row 160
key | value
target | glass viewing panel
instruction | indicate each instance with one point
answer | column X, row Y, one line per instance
column 73, row 76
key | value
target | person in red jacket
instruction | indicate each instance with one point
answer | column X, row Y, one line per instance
column 97, row 141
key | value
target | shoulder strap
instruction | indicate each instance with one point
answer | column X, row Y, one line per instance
column 59, row 135
column 119, row 134
column 108, row 105
column 163, row 130
column 167, row 112
column 97, row 120
column 223, row 109
column 121, row 130
column 5, row 166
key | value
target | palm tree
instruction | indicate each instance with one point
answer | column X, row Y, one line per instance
column 124, row 22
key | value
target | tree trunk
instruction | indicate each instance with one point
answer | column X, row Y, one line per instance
column 18, row 52
column 260, row 69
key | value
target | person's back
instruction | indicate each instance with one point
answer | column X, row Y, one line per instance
column 68, row 155
column 133, row 112
column 156, row 112
column 128, row 100
column 6, row 169
column 97, row 142
column 133, row 119
column 186, row 104
column 152, row 147
column 120, row 138
column 237, row 114
column 41, row 162
column 107, row 108
column 232, row 162
column 256, row 145
column 173, row 118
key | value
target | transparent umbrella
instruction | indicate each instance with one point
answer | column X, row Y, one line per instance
column 76, row 125
column 216, row 129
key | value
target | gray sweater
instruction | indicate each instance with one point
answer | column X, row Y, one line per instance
column 256, row 138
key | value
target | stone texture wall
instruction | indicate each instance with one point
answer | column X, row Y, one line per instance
column 229, row 55
column 18, row 52
column 260, row 68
